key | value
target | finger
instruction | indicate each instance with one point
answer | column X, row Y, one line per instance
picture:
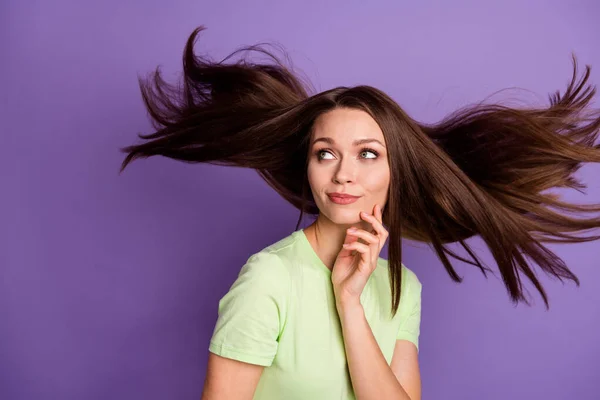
column 377, row 226
column 364, row 235
column 372, row 240
column 379, row 213
column 363, row 249
column 350, row 238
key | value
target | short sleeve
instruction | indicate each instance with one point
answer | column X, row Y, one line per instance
column 252, row 313
column 411, row 319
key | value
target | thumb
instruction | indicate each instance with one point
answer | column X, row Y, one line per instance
column 350, row 238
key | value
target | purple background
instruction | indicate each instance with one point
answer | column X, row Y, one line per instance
column 109, row 284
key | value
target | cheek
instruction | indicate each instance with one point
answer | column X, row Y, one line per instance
column 377, row 181
column 315, row 179
column 310, row 174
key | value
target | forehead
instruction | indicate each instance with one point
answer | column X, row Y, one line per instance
column 344, row 125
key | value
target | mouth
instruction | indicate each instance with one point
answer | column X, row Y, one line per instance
column 342, row 199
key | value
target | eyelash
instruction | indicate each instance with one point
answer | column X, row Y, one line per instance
column 317, row 152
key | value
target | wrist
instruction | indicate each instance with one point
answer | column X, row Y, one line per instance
column 348, row 306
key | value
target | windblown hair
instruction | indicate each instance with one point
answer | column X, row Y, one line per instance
column 480, row 171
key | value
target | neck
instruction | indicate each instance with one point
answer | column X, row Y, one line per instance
column 327, row 238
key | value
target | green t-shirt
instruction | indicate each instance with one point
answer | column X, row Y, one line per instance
column 280, row 313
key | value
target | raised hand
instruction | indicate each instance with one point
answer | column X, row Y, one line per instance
column 356, row 261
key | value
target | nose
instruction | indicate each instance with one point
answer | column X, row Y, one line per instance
column 345, row 171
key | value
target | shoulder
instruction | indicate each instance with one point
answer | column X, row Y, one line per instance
column 410, row 280
column 274, row 258
column 265, row 266
column 269, row 267
column 409, row 276
column 261, row 281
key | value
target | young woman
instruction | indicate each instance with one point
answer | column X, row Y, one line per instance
column 318, row 314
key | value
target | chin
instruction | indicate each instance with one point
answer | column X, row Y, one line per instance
column 345, row 217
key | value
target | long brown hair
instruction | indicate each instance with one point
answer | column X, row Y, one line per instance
column 480, row 171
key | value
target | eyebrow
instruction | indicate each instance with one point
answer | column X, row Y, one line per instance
column 355, row 143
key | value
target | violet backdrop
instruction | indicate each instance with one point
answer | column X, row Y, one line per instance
column 109, row 284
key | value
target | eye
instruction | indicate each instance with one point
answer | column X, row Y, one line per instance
column 364, row 150
column 319, row 152
column 368, row 150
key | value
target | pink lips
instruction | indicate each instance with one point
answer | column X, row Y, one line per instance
column 342, row 198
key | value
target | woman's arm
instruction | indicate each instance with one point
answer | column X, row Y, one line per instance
column 250, row 319
column 405, row 365
column 230, row 379
column 372, row 377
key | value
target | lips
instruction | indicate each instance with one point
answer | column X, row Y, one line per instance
column 342, row 196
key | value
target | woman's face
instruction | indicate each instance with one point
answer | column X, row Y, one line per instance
column 337, row 164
